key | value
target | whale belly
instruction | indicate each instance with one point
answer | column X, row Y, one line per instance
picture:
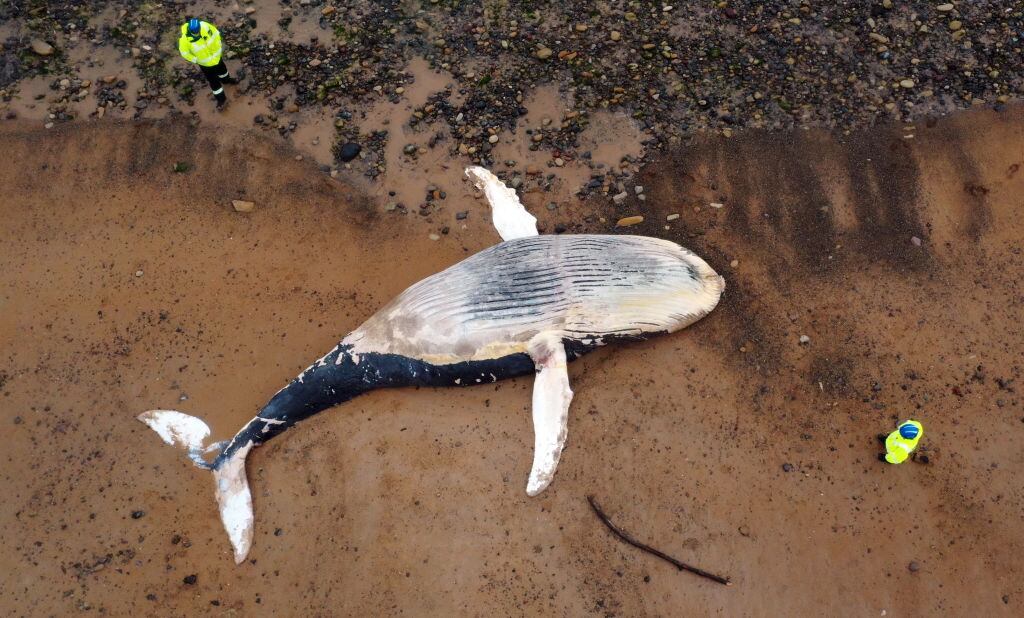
column 581, row 287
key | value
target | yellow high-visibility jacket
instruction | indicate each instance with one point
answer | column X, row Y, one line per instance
column 204, row 51
column 898, row 448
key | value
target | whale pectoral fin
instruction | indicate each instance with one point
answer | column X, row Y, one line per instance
column 551, row 398
column 508, row 214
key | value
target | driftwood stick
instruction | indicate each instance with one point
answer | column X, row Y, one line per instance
column 682, row 566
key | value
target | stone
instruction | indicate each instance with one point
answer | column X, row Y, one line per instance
column 716, row 205
column 916, row 241
column 787, row 467
column 628, row 221
column 618, row 198
column 804, row 339
column 955, row 25
column 349, row 151
column 138, row 273
column 672, row 217
column 615, row 35
column 493, row 139
column 944, row 8
column 559, row 161
column 638, row 189
column 435, row 237
column 315, row 62
column 914, row 566
column 327, row 10
column 907, row 83
column 242, row 205
column 544, row 53
column 41, row 47
column 462, row 215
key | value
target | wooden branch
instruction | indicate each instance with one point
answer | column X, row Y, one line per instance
column 682, row 566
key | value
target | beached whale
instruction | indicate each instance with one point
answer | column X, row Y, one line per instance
column 527, row 305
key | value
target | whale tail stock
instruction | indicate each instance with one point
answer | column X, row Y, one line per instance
column 234, row 499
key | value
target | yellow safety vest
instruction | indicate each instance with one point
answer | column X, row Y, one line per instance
column 205, row 50
column 898, row 448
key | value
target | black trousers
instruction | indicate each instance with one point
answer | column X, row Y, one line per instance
column 213, row 75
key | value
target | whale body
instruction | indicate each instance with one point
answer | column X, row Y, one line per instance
column 528, row 305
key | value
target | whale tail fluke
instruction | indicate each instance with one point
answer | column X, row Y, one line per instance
column 234, row 499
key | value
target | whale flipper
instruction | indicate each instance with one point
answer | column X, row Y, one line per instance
column 507, row 212
column 551, row 398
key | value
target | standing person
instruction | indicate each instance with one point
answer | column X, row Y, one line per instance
column 902, row 442
column 200, row 44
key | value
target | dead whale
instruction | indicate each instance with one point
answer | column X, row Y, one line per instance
column 528, row 305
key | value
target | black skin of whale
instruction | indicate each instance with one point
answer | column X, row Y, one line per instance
column 330, row 383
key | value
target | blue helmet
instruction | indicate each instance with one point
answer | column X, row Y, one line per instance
column 908, row 431
column 193, row 26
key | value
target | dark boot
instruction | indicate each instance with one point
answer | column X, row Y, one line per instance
column 222, row 101
column 228, row 80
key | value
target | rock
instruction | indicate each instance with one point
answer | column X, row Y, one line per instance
column 493, row 139
column 916, row 241
column 955, row 25
column 544, row 53
column 435, row 237
column 138, row 514
column 731, row 13
column 716, row 205
column 787, row 467
column 638, row 189
column 914, row 567
column 944, row 8
column 628, row 221
column 804, row 339
column 745, row 531
column 734, row 263
column 409, row 149
column 907, row 83
column 315, row 62
column 461, row 215
column 581, row 27
column 41, row 47
column 615, row 35
column 327, row 10
column 139, row 273
column 672, row 217
column 880, row 38
column 349, row 151
column 242, row 205
column 190, row 580
column 559, row 161
column 618, row 198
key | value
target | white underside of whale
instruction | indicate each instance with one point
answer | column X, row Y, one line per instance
column 528, row 295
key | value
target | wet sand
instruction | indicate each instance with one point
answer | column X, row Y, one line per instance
column 412, row 501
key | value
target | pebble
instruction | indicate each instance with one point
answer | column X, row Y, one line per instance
column 462, row 215
column 349, row 151
column 955, row 25
column 638, row 189
column 672, row 217
column 914, row 567
column 544, row 53
column 745, row 531
column 907, row 83
column 615, row 35
column 138, row 273
column 190, row 580
column 804, row 339
column 787, row 467
column 734, row 263
column 618, row 198
column 41, row 47
column 559, row 161
column 716, row 205
column 628, row 221
column 242, row 205
column 138, row 514
column 434, row 237
column 944, row 8
column 916, row 241
column 493, row 139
